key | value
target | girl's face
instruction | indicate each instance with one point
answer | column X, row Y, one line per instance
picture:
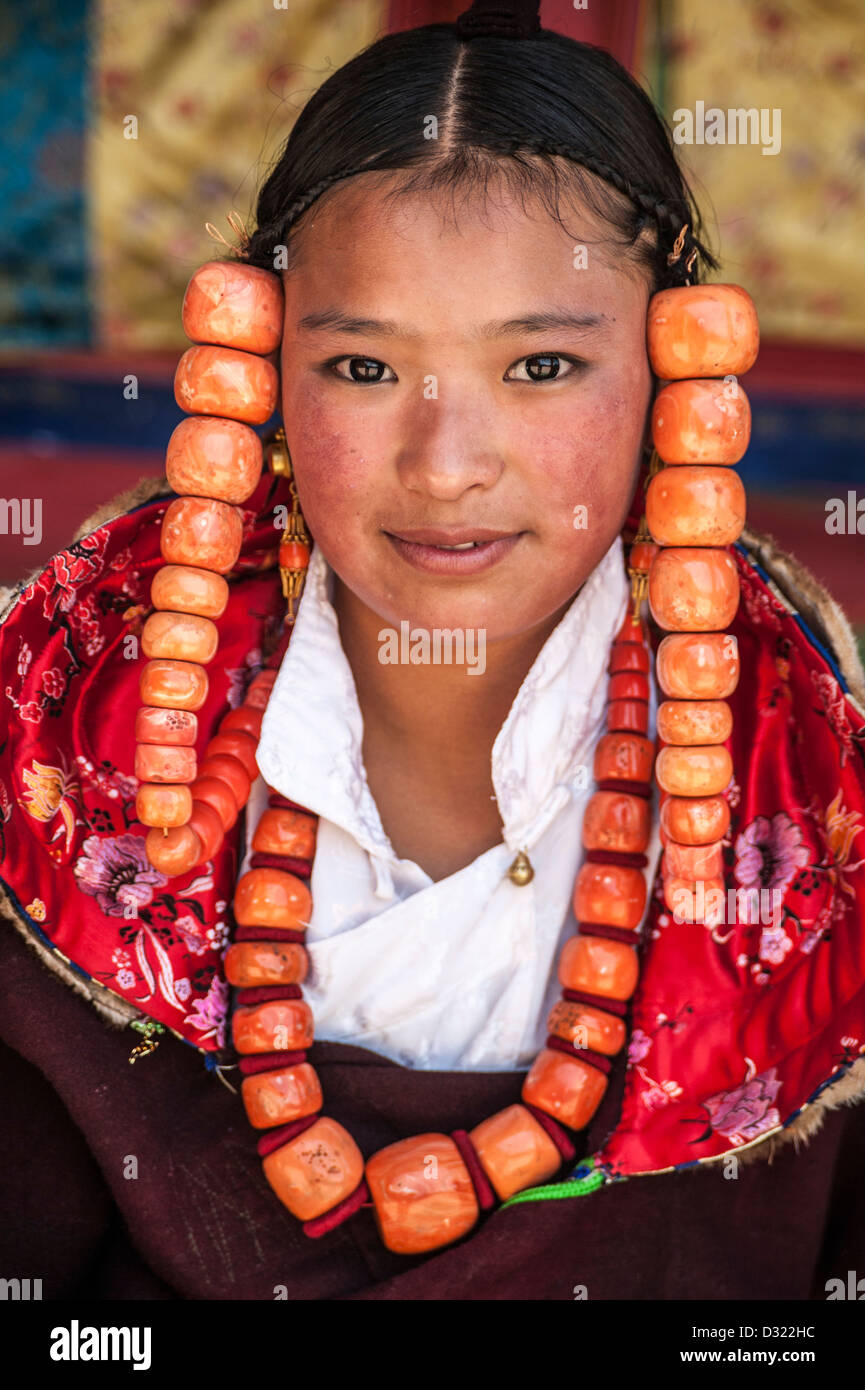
column 484, row 381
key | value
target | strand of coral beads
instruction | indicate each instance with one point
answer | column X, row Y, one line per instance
column 311, row 1162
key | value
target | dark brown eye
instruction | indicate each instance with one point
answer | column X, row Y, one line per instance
column 365, row 370
column 544, row 367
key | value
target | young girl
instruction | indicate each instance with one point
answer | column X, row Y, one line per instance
column 469, row 225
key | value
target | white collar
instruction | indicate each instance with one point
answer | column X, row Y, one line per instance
column 310, row 748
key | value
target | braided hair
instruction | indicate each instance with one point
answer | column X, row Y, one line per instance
column 457, row 106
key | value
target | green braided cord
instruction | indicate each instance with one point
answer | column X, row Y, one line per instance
column 574, row 1187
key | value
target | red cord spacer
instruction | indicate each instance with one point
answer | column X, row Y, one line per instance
column 615, row 784
column 583, row 1054
column 301, row 868
column 253, row 1063
column 617, row 856
column 321, row 1225
column 630, row 935
column 275, row 1138
column 481, row 1183
column 269, row 934
column 554, row 1130
column 596, row 1001
column 262, row 994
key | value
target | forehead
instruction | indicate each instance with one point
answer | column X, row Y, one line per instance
column 366, row 242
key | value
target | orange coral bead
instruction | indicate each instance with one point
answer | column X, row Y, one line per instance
column 631, row 630
column 280, row 831
column 627, row 716
column 230, row 771
column 422, row 1193
column 157, row 804
column 624, row 756
column 294, row 555
column 641, row 555
column 174, row 851
column 700, row 903
column 217, row 794
column 222, row 381
column 208, row 827
column 184, row 589
column 610, row 893
column 702, row 330
column 694, row 721
column 169, row 763
column 701, row 422
column 154, row 725
column 598, row 966
column 277, row 1097
column 201, row 532
column 180, row 636
column 616, row 821
column 317, row 1170
column 565, row 1087
column 700, row 770
column 628, row 685
column 250, row 964
column 242, row 720
column 239, row 306
column 628, row 656
column 695, row 505
column 698, row 666
column 280, row 1025
column 236, row 745
column 692, row 589
column 174, row 684
column 259, row 689
column 584, row 1026
column 693, row 861
column 272, row 898
column 515, row 1151
column 695, row 820
column 207, row 457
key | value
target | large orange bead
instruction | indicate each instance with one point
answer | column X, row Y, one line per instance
column 174, row 851
column 698, row 666
column 155, row 725
column 203, row 533
column 236, row 745
column 181, row 636
column 208, row 827
column 695, row 505
column 422, row 1193
column 584, row 1026
column 701, row 770
column 610, row 893
column 627, row 757
column 616, row 821
column 169, row 763
column 251, row 964
column 702, row 330
column 272, row 898
column 184, row 589
column 239, row 306
column 208, row 457
column 230, row 771
column 280, row 1025
column 693, row 589
column 243, row 720
column 695, row 820
column 157, row 804
column 701, row 422
column 598, row 966
column 217, row 794
column 222, row 381
column 317, row 1170
column 515, row 1151
column 693, row 861
column 694, row 721
column 277, row 1097
column 280, row 831
column 175, row 684
column 564, row 1087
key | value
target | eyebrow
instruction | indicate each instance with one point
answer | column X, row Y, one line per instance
column 542, row 322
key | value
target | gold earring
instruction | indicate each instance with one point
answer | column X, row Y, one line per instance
column 296, row 542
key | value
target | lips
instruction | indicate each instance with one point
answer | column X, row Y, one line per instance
column 453, row 550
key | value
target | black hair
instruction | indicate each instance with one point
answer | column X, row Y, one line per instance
column 539, row 109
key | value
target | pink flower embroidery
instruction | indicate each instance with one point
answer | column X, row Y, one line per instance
column 768, row 852
column 191, row 934
column 747, row 1111
column 774, row 945
column 208, row 1014
column 639, row 1046
column 117, row 873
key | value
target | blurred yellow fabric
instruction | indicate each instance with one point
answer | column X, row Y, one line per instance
column 213, row 89
column 791, row 224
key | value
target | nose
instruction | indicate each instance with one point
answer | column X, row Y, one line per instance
column 450, row 447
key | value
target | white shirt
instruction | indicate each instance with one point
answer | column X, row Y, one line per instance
column 461, row 974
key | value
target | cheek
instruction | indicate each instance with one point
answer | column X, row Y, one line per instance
column 331, row 462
